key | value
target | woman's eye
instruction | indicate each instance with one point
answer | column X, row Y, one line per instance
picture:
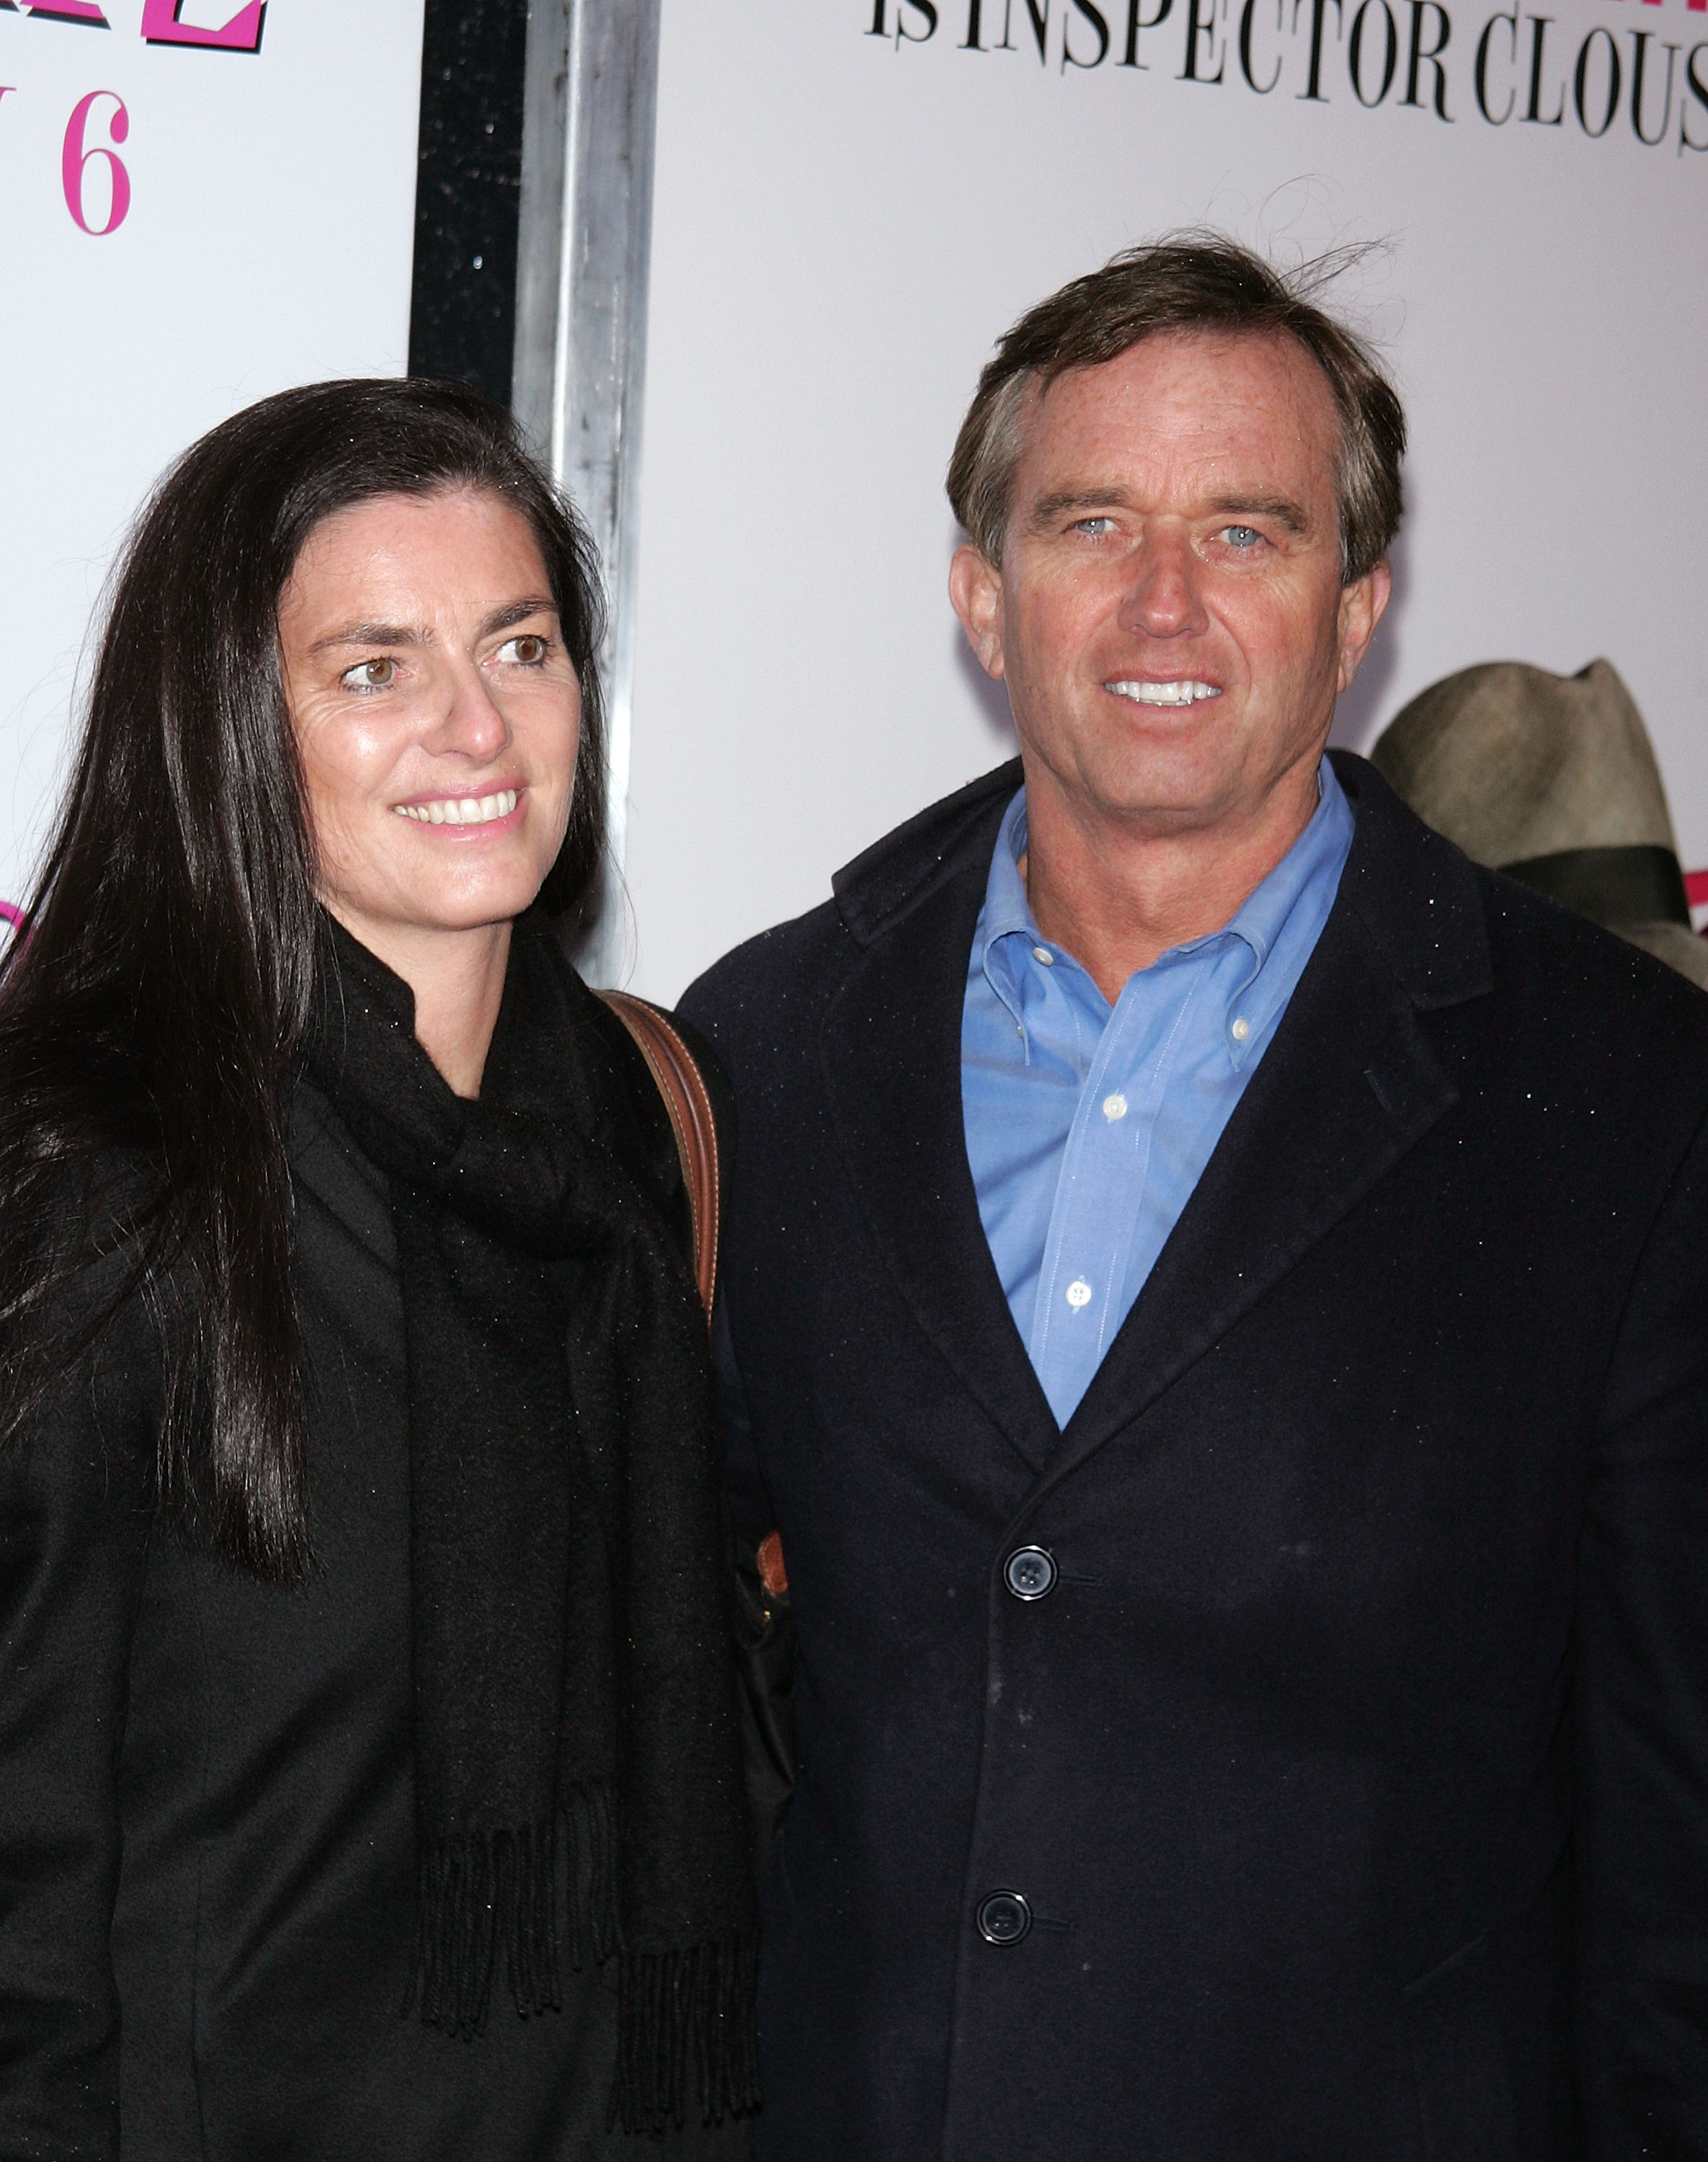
column 370, row 676
column 528, row 651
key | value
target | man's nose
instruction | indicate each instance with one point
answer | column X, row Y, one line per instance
column 1164, row 599
column 470, row 723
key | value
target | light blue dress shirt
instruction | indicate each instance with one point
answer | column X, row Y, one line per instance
column 1089, row 1126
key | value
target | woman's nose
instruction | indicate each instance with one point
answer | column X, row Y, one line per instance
column 472, row 723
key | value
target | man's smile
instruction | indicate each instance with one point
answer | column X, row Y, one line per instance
column 1188, row 690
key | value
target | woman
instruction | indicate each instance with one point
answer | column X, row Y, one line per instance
column 369, row 1777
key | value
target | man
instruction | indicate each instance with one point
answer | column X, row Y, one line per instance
column 1216, row 1304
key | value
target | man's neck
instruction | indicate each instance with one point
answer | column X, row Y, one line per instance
column 1116, row 895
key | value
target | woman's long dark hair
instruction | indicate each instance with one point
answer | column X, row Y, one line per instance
column 164, row 986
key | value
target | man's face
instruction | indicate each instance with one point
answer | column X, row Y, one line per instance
column 1168, row 615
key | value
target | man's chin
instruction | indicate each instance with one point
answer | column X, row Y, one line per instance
column 1171, row 790
column 1187, row 780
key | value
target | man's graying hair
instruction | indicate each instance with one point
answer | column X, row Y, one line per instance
column 1189, row 281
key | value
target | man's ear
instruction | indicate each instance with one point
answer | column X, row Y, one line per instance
column 1363, row 604
column 975, row 592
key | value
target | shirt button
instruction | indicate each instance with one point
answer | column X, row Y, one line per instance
column 1004, row 1918
column 1043, row 953
column 1030, row 1572
column 1114, row 1106
column 1079, row 1293
column 1242, row 1029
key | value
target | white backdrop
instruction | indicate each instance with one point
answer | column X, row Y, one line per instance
column 844, row 224
column 265, row 237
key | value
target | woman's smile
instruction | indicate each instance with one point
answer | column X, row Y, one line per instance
column 462, row 812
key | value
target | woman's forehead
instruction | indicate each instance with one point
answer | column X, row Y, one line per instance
column 461, row 543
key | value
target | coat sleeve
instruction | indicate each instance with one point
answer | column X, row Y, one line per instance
column 74, row 1524
column 765, row 1619
column 1641, row 1697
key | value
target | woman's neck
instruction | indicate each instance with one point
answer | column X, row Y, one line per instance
column 457, row 978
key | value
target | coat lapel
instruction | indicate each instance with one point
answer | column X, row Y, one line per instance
column 891, row 1054
column 1349, row 1085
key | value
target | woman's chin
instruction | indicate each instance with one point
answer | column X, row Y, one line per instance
column 459, row 892
column 417, row 918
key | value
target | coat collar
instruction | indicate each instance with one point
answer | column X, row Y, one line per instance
column 1350, row 1083
column 891, row 1062
column 1418, row 894
column 1419, row 898
column 901, row 872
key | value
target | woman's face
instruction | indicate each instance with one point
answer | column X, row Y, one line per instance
column 437, row 713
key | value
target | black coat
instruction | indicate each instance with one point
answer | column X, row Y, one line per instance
column 1356, row 1769
column 207, row 1833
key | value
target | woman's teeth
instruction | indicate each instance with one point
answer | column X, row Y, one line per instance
column 1186, row 693
column 460, row 810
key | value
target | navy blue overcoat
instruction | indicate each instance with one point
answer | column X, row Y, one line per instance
column 1353, row 1772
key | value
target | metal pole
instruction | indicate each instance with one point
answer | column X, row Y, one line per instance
column 591, row 103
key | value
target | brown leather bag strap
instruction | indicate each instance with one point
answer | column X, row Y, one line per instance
column 672, row 1067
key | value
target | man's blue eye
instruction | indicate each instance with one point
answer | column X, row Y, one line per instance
column 1241, row 536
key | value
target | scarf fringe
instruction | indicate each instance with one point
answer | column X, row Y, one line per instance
column 691, row 2006
column 519, row 1891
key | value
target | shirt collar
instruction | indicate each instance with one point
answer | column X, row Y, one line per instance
column 1007, row 907
column 1261, row 917
column 1308, row 873
column 1009, row 934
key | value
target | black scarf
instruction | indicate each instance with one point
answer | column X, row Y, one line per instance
column 578, row 1777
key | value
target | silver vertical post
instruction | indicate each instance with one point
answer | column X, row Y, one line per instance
column 590, row 112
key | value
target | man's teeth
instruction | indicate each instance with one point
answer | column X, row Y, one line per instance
column 1186, row 693
column 460, row 810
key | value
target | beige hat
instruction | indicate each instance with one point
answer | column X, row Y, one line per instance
column 1551, row 779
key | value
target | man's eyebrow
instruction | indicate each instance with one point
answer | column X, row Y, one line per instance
column 1280, row 508
column 1063, row 502
column 1049, row 508
column 399, row 634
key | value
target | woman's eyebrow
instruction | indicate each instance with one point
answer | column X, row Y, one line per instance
column 397, row 633
column 371, row 633
column 516, row 612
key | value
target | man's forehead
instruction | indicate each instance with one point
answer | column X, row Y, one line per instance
column 1261, row 392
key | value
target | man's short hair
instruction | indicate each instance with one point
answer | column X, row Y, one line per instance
column 1188, row 281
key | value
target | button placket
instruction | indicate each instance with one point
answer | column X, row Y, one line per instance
column 1088, row 1243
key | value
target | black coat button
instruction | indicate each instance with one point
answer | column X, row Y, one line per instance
column 1004, row 1918
column 1030, row 1572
